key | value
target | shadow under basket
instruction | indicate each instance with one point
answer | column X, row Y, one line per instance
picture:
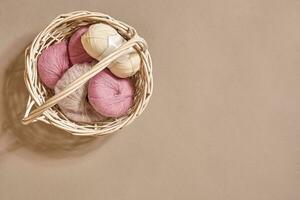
column 41, row 104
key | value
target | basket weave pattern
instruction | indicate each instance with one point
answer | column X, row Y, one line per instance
column 41, row 104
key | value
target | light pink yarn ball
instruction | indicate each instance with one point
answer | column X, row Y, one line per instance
column 76, row 51
column 52, row 63
column 109, row 95
column 76, row 106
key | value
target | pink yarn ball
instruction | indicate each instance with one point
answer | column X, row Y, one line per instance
column 52, row 63
column 109, row 95
column 76, row 51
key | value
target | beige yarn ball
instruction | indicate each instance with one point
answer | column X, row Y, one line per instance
column 76, row 106
column 101, row 40
column 126, row 65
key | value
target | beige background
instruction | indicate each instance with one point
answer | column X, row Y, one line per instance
column 223, row 123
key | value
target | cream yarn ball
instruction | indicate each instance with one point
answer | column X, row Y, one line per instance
column 127, row 65
column 76, row 106
column 101, row 40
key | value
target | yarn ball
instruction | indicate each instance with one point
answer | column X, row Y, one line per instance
column 127, row 65
column 110, row 95
column 52, row 63
column 76, row 106
column 100, row 40
column 77, row 53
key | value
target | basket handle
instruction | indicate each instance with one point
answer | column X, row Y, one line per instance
column 136, row 40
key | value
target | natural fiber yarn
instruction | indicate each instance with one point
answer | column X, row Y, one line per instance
column 76, row 106
column 101, row 39
column 52, row 63
column 126, row 65
column 77, row 53
column 110, row 95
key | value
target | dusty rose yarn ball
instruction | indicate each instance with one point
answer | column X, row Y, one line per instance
column 109, row 95
column 76, row 51
column 52, row 63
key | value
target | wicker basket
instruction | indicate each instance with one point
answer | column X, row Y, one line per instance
column 41, row 104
